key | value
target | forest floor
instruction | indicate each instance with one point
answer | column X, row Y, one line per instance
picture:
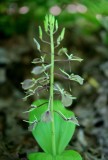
column 91, row 108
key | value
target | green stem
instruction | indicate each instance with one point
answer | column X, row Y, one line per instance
column 52, row 92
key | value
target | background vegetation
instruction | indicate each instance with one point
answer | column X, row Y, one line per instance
column 86, row 23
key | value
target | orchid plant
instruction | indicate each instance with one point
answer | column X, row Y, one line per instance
column 50, row 122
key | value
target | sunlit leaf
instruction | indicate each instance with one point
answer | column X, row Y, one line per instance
column 28, row 83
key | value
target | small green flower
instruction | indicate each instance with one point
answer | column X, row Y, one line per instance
column 46, row 116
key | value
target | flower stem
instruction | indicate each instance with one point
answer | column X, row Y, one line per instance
column 52, row 91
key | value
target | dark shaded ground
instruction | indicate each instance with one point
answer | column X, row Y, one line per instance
column 91, row 107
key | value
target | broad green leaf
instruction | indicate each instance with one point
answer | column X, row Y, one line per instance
column 66, row 155
column 39, row 156
column 37, row 44
column 63, row 129
column 70, row 155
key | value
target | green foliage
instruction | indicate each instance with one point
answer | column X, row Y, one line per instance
column 63, row 129
column 51, row 123
column 67, row 155
column 11, row 20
